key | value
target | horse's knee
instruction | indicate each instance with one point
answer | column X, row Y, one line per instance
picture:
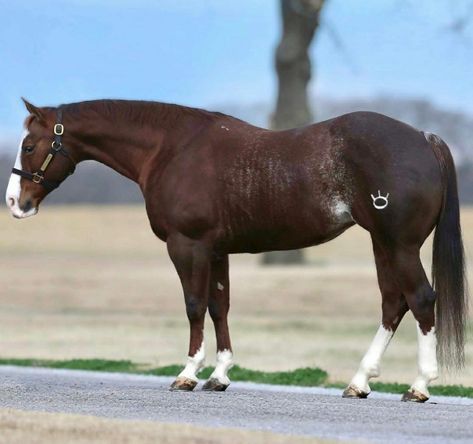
column 195, row 308
column 217, row 310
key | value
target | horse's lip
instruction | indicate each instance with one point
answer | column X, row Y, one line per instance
column 23, row 215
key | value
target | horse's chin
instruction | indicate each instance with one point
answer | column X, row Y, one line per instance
column 20, row 214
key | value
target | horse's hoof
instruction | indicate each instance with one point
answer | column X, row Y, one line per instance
column 354, row 392
column 214, row 385
column 414, row 396
column 183, row 385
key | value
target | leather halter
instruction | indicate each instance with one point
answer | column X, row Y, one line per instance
column 56, row 147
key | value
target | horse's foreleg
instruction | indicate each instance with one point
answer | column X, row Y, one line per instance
column 192, row 261
column 394, row 308
column 219, row 304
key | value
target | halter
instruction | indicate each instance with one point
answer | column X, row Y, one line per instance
column 56, row 147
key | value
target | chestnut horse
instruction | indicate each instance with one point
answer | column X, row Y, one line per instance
column 215, row 185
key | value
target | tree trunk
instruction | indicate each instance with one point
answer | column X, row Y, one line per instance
column 300, row 19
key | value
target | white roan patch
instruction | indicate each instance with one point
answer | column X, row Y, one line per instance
column 369, row 366
column 13, row 193
column 224, row 363
column 194, row 364
column 341, row 210
column 427, row 361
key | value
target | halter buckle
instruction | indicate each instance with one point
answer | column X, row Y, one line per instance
column 59, row 129
column 56, row 146
column 37, row 177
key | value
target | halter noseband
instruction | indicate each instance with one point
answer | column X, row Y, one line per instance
column 56, row 147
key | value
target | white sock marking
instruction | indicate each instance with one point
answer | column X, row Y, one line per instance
column 427, row 361
column 369, row 366
column 224, row 363
column 194, row 364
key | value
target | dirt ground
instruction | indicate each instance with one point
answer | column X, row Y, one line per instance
column 18, row 427
column 85, row 282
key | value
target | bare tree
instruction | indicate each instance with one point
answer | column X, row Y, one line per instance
column 300, row 21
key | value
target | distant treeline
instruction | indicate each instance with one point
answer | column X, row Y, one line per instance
column 94, row 183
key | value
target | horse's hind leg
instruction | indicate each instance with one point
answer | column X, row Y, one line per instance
column 407, row 276
column 421, row 300
column 394, row 307
column 219, row 304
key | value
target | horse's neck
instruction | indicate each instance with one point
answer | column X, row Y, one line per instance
column 130, row 147
column 123, row 152
column 127, row 149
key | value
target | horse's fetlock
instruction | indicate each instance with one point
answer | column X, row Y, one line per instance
column 373, row 372
column 430, row 374
column 370, row 369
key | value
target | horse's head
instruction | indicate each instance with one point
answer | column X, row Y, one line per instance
column 41, row 164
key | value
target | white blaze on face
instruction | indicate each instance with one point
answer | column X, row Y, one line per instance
column 13, row 193
column 194, row 364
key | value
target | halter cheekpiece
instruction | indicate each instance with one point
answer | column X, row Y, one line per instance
column 56, row 147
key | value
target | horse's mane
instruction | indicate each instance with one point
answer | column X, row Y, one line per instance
column 141, row 113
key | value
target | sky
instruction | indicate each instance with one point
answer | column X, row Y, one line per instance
column 206, row 53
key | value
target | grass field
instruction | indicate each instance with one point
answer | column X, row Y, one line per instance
column 91, row 282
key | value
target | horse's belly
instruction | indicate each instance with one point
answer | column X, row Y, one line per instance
column 270, row 237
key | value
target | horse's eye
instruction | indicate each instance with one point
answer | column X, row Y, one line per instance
column 28, row 149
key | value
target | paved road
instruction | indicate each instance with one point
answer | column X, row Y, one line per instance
column 314, row 412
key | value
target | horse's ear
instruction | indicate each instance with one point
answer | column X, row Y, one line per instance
column 35, row 111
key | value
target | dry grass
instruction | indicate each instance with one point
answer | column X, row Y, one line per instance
column 17, row 427
column 85, row 282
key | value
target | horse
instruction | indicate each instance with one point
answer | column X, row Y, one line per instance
column 214, row 185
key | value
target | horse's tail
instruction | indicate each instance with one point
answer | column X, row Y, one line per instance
column 448, row 266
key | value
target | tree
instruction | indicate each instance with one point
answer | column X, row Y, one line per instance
column 300, row 21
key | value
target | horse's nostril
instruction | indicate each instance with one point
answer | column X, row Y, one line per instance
column 11, row 201
column 27, row 207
